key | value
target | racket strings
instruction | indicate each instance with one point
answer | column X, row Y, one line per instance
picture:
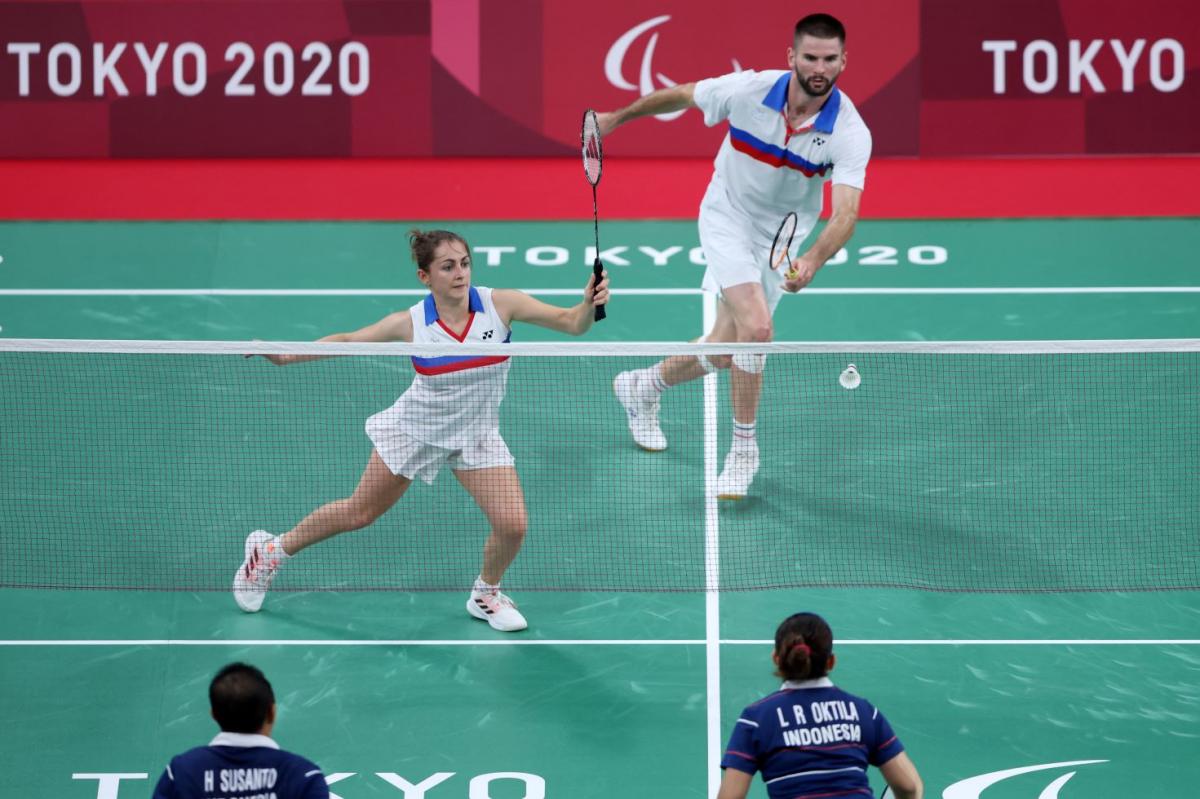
column 782, row 246
column 591, row 162
column 593, row 157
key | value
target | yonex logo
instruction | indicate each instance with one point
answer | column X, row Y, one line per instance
column 614, row 63
column 487, row 334
column 973, row 787
column 817, row 140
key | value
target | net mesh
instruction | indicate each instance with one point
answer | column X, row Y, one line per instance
column 983, row 467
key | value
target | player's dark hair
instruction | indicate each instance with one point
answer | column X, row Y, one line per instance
column 803, row 643
column 241, row 698
column 821, row 26
column 424, row 242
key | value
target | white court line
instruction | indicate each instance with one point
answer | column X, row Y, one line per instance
column 712, row 566
column 353, row 642
column 705, row 642
column 332, row 292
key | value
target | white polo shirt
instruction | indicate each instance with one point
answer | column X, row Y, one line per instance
column 766, row 170
column 454, row 400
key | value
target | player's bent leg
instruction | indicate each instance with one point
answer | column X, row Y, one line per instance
column 498, row 493
column 640, row 390
column 378, row 489
column 752, row 318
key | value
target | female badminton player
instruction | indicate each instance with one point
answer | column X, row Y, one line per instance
column 449, row 416
column 811, row 738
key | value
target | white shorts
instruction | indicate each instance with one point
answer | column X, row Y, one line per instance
column 736, row 251
column 408, row 457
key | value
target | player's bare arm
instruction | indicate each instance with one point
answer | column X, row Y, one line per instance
column 518, row 306
column 735, row 784
column 832, row 238
column 661, row 101
column 393, row 327
column 902, row 777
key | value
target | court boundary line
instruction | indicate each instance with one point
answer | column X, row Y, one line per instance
column 332, row 292
column 712, row 564
column 370, row 642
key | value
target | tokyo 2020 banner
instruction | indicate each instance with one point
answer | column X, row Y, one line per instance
column 263, row 78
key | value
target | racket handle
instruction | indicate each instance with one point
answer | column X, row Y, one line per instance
column 598, row 271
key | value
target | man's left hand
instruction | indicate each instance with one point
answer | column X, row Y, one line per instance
column 800, row 275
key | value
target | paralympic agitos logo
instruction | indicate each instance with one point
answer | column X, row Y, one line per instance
column 648, row 78
column 973, row 787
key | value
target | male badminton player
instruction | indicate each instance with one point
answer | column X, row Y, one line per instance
column 790, row 131
column 449, row 416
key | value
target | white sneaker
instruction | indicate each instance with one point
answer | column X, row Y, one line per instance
column 496, row 609
column 643, row 414
column 738, row 474
column 252, row 580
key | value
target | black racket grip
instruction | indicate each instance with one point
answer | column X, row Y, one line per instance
column 598, row 271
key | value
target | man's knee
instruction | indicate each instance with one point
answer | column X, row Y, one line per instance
column 758, row 331
column 710, row 363
column 751, row 363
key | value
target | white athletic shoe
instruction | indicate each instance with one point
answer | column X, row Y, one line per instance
column 643, row 414
column 252, row 580
column 738, row 474
column 496, row 609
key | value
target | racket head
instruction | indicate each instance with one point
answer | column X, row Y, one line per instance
column 782, row 246
column 593, row 150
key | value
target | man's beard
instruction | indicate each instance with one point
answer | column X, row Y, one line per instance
column 809, row 90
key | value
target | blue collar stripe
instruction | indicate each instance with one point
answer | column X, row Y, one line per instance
column 829, row 112
column 474, row 304
column 777, row 98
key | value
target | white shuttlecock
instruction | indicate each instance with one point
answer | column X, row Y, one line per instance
column 850, row 378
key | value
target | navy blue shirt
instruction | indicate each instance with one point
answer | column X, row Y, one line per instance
column 811, row 739
column 237, row 766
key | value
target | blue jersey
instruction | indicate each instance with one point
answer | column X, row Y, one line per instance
column 811, row 739
column 236, row 766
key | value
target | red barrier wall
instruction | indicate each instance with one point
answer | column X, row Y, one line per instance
column 554, row 188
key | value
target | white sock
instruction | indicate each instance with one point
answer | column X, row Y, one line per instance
column 484, row 588
column 275, row 549
column 743, row 437
column 651, row 384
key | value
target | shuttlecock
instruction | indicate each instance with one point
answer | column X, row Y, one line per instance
column 850, row 378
